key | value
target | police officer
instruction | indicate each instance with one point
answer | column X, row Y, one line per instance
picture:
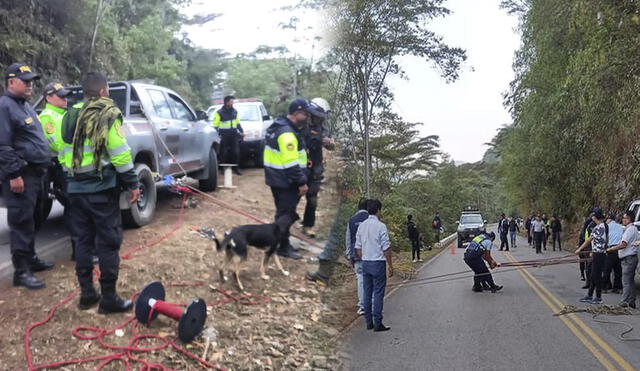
column 226, row 121
column 55, row 96
column 285, row 165
column 316, row 138
column 477, row 250
column 24, row 158
column 100, row 165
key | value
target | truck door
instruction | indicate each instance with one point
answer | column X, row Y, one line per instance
column 170, row 131
column 190, row 140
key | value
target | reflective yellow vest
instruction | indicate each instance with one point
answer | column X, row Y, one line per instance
column 51, row 120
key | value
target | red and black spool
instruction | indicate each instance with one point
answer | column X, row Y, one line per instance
column 191, row 319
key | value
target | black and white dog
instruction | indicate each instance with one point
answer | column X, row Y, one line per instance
column 262, row 236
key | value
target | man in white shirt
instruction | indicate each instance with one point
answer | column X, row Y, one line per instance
column 374, row 249
column 628, row 254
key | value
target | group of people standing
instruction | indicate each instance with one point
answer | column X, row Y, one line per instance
column 606, row 247
column 86, row 143
column 416, row 239
column 539, row 228
column 508, row 229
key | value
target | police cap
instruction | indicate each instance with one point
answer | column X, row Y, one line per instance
column 299, row 104
column 57, row 89
column 21, row 71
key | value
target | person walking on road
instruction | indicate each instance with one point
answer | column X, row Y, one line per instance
column 374, row 249
column 545, row 237
column 585, row 265
column 598, row 239
column 478, row 250
column 527, row 227
column 628, row 254
column 24, row 159
column 613, row 261
column 514, row 229
column 537, row 229
column 503, row 230
column 227, row 123
column 414, row 237
column 99, row 168
column 556, row 228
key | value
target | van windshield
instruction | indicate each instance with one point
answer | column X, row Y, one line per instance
column 248, row 112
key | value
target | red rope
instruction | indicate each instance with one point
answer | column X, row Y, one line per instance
column 125, row 354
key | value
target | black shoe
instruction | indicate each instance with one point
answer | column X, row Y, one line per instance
column 369, row 326
column 476, row 289
column 28, row 280
column 89, row 300
column 615, row 291
column 37, row 265
column 289, row 253
column 381, row 328
column 585, row 287
column 582, row 279
column 495, row 288
column 114, row 304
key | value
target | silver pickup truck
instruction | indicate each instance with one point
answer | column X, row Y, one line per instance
column 166, row 137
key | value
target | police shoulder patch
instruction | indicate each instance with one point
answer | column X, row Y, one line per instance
column 49, row 128
column 28, row 120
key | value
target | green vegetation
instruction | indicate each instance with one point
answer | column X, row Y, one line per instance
column 573, row 143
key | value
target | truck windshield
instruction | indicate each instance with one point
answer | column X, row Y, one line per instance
column 248, row 112
column 471, row 219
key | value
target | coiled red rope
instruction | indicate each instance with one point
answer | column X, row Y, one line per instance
column 126, row 354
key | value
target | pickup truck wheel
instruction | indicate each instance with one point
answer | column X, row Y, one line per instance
column 459, row 241
column 211, row 183
column 141, row 213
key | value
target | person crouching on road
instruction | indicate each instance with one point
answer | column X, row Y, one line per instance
column 477, row 250
column 598, row 241
column 374, row 248
column 628, row 254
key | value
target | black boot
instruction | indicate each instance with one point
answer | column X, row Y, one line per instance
column 37, row 265
column 322, row 275
column 23, row 276
column 111, row 302
column 88, row 294
column 495, row 288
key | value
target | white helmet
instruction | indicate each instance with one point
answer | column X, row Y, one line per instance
column 322, row 103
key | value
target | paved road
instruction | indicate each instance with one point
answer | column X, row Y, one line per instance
column 445, row 326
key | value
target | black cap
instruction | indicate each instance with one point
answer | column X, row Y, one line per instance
column 57, row 89
column 21, row 71
column 299, row 104
column 597, row 212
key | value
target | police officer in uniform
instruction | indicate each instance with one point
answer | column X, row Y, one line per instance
column 55, row 96
column 99, row 167
column 316, row 138
column 285, row 165
column 477, row 250
column 24, row 158
column 226, row 121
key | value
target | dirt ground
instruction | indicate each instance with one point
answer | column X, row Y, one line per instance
column 295, row 329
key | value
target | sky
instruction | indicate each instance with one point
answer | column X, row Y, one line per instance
column 465, row 114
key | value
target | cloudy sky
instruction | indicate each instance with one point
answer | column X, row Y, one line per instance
column 465, row 114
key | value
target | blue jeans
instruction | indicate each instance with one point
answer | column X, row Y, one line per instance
column 374, row 274
column 513, row 235
column 357, row 267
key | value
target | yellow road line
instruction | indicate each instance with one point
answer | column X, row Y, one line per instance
column 555, row 304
